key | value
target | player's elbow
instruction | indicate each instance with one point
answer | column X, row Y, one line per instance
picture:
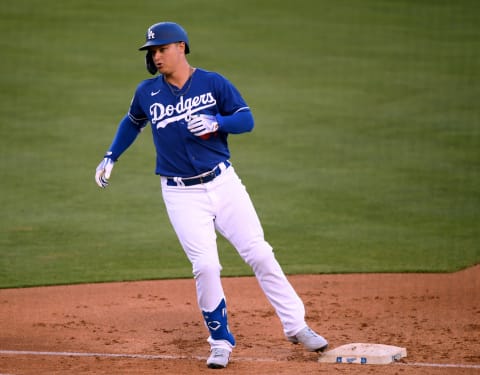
column 249, row 121
column 245, row 118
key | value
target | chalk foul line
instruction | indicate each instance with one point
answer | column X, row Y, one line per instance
column 180, row 357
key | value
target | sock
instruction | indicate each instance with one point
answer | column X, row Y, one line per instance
column 217, row 323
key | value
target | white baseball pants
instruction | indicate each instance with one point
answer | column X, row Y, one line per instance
column 197, row 212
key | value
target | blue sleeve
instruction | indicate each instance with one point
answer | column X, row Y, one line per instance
column 240, row 122
column 127, row 132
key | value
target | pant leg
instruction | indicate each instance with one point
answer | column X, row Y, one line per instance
column 192, row 217
column 238, row 222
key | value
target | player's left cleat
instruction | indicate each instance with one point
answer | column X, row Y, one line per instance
column 218, row 358
column 312, row 341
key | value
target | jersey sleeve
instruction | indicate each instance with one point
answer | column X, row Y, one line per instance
column 234, row 115
column 129, row 127
column 229, row 99
column 136, row 113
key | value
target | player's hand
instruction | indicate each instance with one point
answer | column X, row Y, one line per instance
column 103, row 172
column 202, row 124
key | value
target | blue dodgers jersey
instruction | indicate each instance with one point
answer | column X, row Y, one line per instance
column 179, row 152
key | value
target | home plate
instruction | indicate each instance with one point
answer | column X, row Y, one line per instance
column 372, row 354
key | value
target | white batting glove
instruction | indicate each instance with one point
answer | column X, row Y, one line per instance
column 202, row 124
column 103, row 172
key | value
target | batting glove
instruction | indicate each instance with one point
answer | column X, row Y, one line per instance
column 103, row 172
column 202, row 124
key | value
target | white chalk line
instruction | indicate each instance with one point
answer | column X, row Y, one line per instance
column 125, row 355
column 444, row 365
column 180, row 357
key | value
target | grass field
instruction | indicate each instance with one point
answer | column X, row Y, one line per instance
column 365, row 156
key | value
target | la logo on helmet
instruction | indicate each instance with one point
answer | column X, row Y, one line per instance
column 151, row 34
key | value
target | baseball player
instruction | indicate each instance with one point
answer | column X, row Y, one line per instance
column 191, row 112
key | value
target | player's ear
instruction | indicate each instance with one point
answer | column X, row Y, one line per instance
column 184, row 46
column 151, row 67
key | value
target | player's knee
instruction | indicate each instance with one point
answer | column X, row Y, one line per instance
column 206, row 268
column 260, row 256
column 265, row 265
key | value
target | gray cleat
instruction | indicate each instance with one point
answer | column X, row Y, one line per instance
column 218, row 358
column 312, row 341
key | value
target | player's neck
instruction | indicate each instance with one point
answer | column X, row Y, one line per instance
column 180, row 76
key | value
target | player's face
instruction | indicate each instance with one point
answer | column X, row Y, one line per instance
column 167, row 57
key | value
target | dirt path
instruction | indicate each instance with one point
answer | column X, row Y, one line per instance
column 157, row 328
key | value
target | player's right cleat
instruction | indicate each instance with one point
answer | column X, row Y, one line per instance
column 312, row 341
column 218, row 358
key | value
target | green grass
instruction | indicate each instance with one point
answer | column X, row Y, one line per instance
column 365, row 156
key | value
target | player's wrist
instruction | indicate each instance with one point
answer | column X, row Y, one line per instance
column 110, row 155
column 219, row 122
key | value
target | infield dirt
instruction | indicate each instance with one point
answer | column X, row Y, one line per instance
column 435, row 316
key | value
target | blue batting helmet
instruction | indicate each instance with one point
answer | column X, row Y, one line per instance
column 165, row 33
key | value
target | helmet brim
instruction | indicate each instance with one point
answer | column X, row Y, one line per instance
column 152, row 43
